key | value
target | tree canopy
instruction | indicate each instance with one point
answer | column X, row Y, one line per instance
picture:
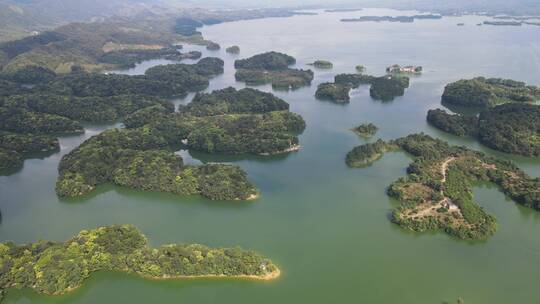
column 55, row 268
column 437, row 192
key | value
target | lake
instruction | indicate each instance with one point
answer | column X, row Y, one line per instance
column 324, row 224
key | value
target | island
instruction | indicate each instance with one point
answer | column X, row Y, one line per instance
column 36, row 101
column 14, row 147
column 365, row 155
column 483, row 92
column 437, row 192
column 360, row 69
column 365, row 130
column 384, row 88
column 503, row 23
column 227, row 121
column 212, row 46
column 235, row 49
column 335, row 92
column 322, row 64
column 342, row 10
column 403, row 19
column 57, row 268
column 512, row 127
column 272, row 67
column 397, row 69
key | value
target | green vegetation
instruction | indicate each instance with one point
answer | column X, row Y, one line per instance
column 360, row 69
column 483, row 92
column 366, row 130
column 511, row 128
column 268, row 61
column 322, row 64
column 138, row 158
column 56, row 103
column 365, row 155
column 272, row 67
column 225, row 121
column 212, row 46
column 10, row 160
column 55, row 268
column 234, row 121
column 384, row 88
column 235, row 49
column 127, row 58
column 230, row 100
column 437, row 192
column 460, row 125
column 335, row 92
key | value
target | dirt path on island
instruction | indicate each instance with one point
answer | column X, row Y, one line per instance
column 444, row 168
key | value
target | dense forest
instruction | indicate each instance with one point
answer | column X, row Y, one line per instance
column 231, row 121
column 483, row 92
column 272, row 67
column 55, row 268
column 139, row 158
column 335, row 92
column 365, row 130
column 55, row 104
column 437, row 192
column 224, row 121
column 511, row 128
column 384, row 88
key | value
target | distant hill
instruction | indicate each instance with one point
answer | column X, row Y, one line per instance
column 19, row 18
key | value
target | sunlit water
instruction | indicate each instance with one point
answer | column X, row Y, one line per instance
column 324, row 224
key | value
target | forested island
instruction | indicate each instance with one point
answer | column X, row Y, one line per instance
column 56, row 268
column 141, row 157
column 235, row 49
column 335, row 92
column 272, row 67
column 113, row 42
column 503, row 23
column 511, row 128
column 322, row 64
column 384, row 88
column 365, row 130
column 32, row 116
column 403, row 19
column 437, row 192
column 483, row 92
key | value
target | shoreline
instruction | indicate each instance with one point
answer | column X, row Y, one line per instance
column 266, row 277
column 293, row 148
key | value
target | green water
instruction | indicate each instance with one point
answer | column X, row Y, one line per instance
column 325, row 225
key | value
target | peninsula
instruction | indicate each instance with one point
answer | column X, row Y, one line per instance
column 437, row 192
column 511, row 128
column 56, row 268
column 483, row 92
column 37, row 104
column 141, row 156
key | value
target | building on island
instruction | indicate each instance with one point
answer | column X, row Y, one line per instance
column 396, row 68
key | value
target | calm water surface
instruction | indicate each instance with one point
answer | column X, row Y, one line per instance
column 324, row 224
